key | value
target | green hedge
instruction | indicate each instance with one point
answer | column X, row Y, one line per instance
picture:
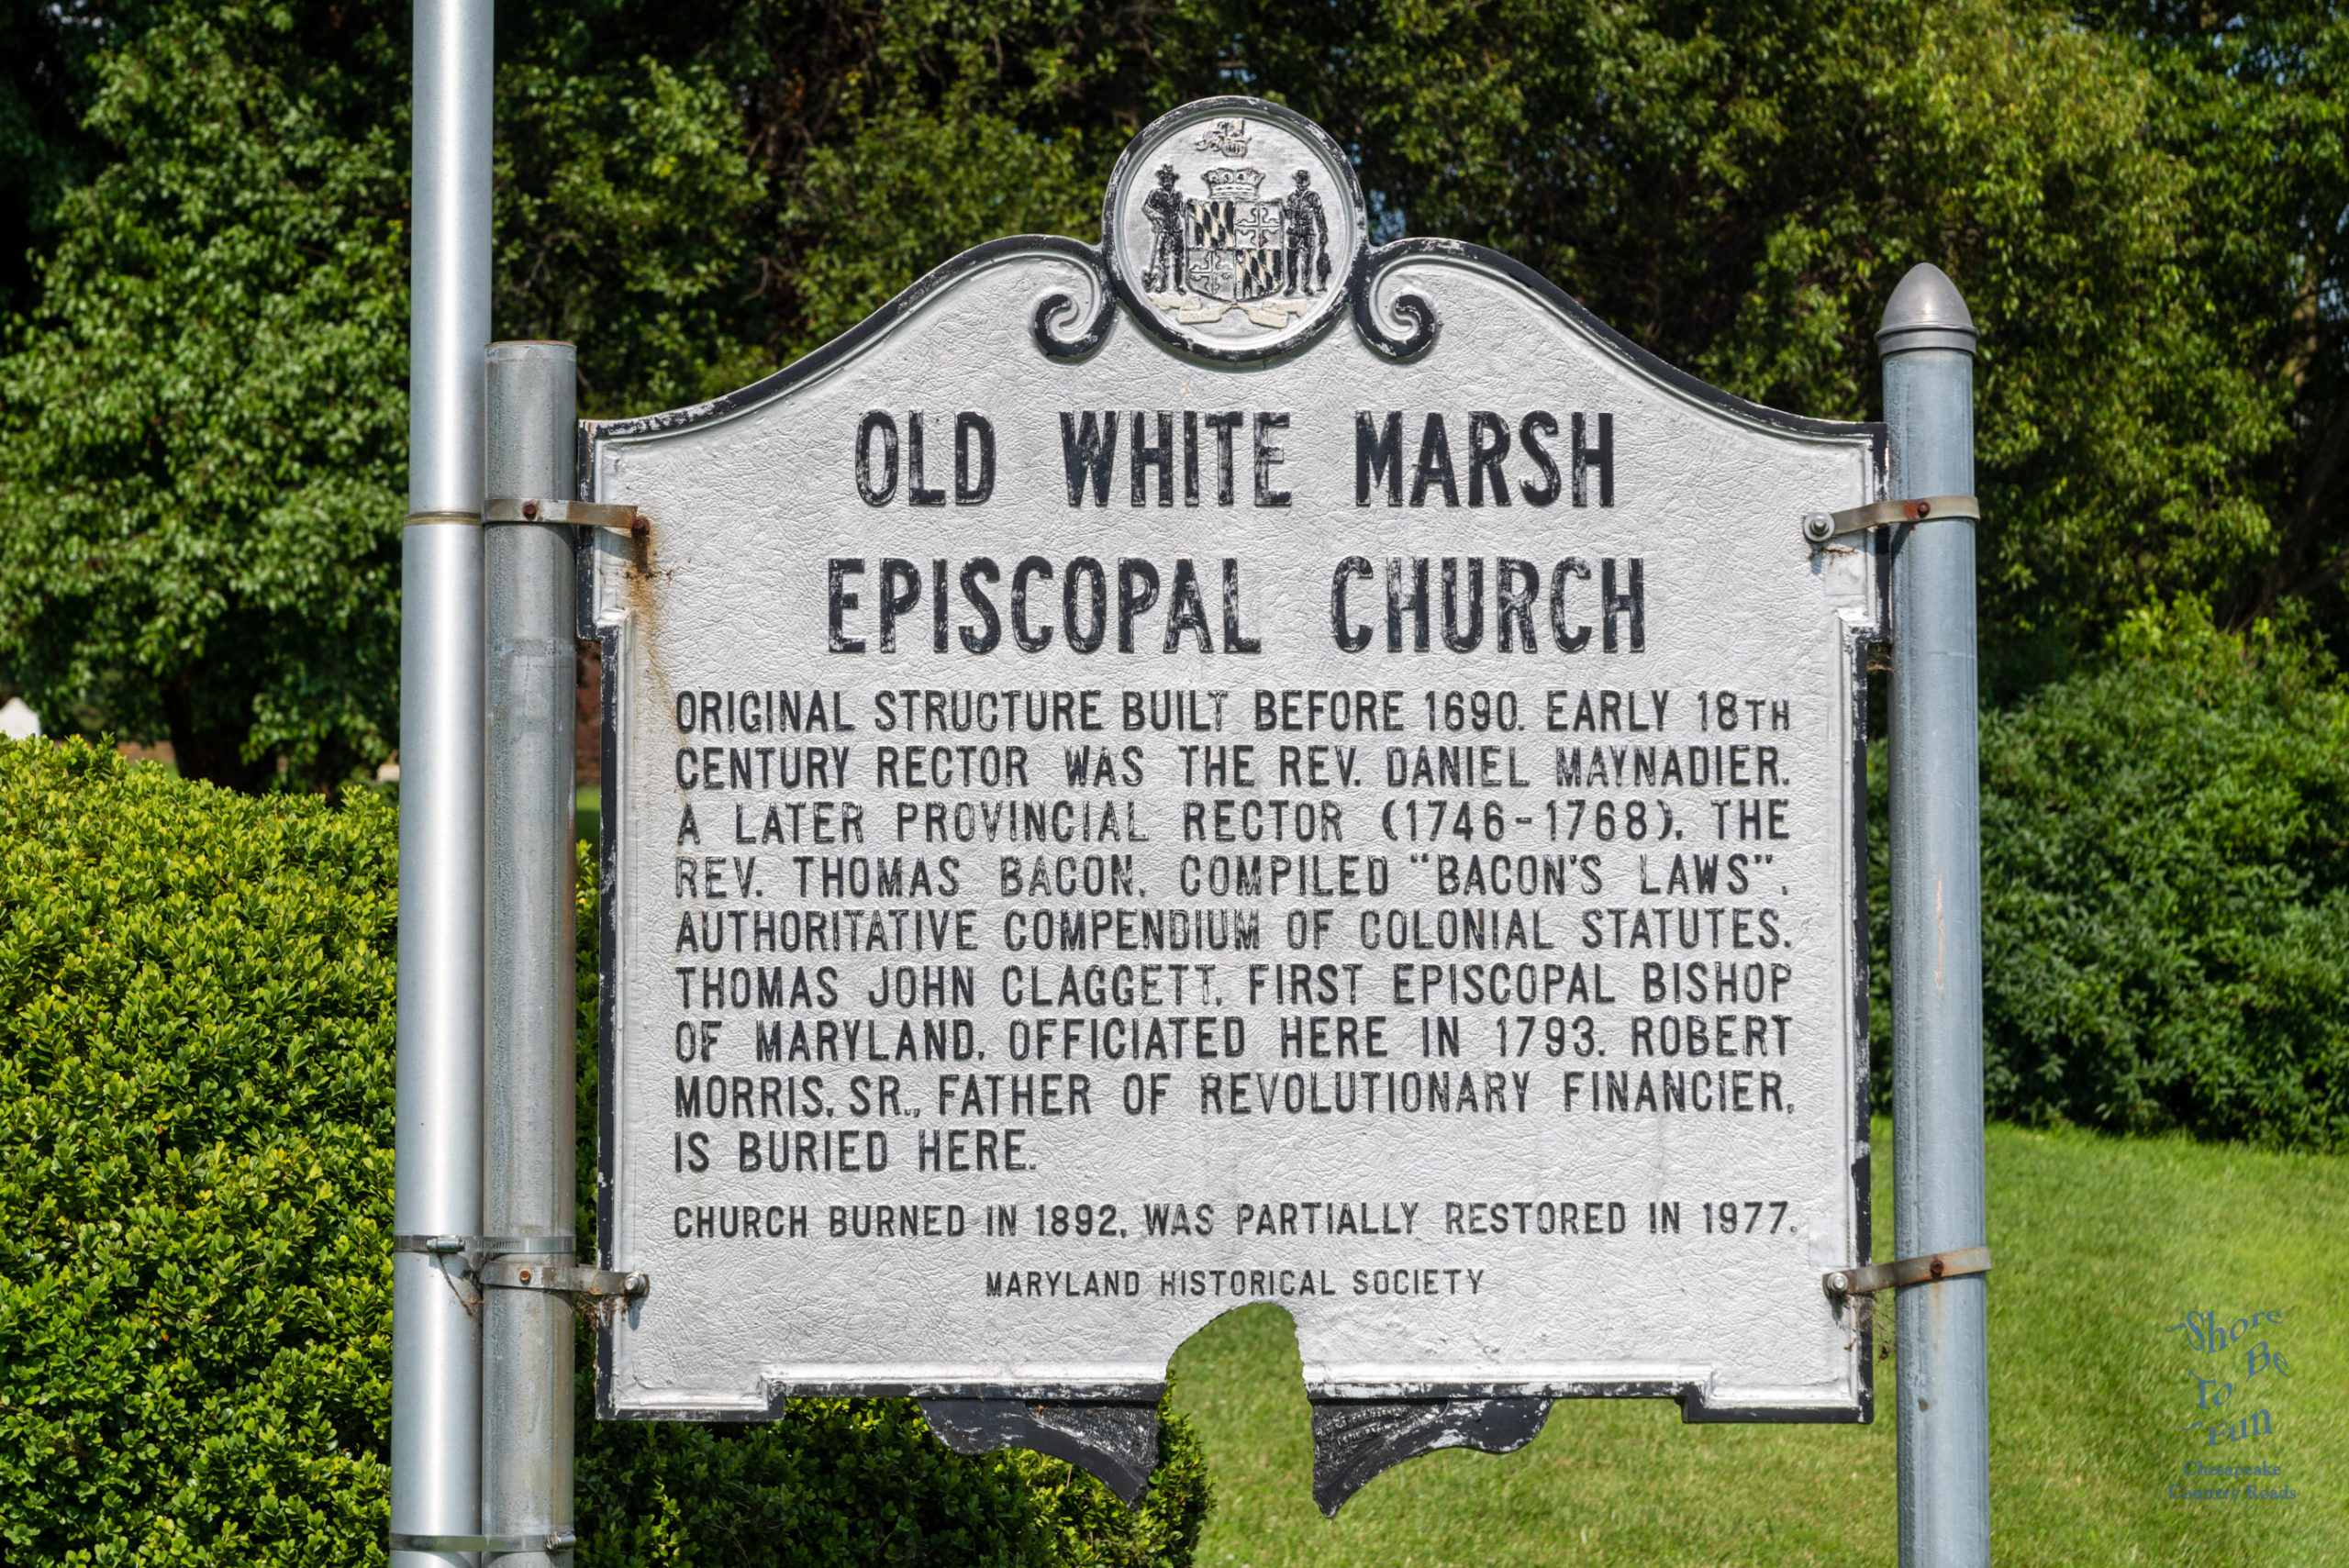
column 2165, row 892
column 195, row 1092
column 195, row 1122
column 862, row 1481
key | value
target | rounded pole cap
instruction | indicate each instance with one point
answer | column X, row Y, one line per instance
column 1925, row 312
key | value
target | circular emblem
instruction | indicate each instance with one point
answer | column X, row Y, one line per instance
column 1230, row 228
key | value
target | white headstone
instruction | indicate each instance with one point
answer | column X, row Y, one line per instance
column 19, row 722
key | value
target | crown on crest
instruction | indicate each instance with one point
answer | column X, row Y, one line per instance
column 1229, row 184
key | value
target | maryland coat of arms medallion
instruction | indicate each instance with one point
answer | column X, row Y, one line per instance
column 1231, row 227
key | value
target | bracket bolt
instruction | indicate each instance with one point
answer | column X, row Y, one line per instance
column 1839, row 1282
column 1817, row 526
column 526, row 1277
column 531, row 509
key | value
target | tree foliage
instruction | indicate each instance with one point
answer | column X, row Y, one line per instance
column 47, row 78
column 1740, row 188
column 198, row 489
column 2141, row 202
column 2250, row 101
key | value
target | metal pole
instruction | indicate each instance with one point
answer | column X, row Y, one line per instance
column 527, row 1334
column 1941, row 1328
column 436, row 1368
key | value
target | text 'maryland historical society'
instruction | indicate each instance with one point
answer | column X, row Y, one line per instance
column 1236, row 766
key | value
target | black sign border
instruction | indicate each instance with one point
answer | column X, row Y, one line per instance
column 1459, row 1397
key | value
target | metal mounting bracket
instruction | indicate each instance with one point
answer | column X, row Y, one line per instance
column 526, row 1270
column 1819, row 528
column 549, row 1541
column 528, row 1262
column 612, row 516
column 488, row 1246
column 1867, row 1279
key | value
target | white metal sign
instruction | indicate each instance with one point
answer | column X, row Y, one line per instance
column 1126, row 795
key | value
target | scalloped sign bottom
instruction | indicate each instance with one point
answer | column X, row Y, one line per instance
column 1233, row 766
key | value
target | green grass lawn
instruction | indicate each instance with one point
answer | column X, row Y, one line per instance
column 2101, row 1243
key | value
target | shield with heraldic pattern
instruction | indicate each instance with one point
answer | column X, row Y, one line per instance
column 1235, row 238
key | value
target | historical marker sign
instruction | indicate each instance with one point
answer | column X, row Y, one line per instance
column 1129, row 795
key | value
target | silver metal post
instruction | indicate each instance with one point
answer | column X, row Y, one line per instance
column 527, row 1334
column 1941, row 1328
column 436, row 1364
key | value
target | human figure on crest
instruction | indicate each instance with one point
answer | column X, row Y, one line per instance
column 1307, row 229
column 1164, row 209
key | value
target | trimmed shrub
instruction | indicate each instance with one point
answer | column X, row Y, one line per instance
column 862, row 1481
column 195, row 1166
column 2165, row 892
